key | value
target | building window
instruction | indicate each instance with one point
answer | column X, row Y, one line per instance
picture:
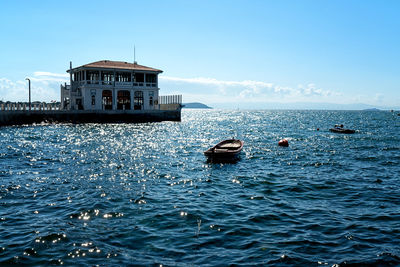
column 92, row 76
column 151, row 80
column 93, row 100
column 107, row 77
column 139, row 79
column 138, row 100
column 79, row 103
column 124, row 100
column 151, row 95
column 107, row 99
column 123, row 77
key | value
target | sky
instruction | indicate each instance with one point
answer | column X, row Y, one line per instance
column 234, row 54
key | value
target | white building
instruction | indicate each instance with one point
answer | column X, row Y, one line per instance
column 111, row 85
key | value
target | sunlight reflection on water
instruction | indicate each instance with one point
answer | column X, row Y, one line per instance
column 125, row 194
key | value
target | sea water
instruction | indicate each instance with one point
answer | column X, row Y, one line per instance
column 144, row 194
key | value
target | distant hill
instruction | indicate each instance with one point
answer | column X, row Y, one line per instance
column 195, row 105
column 300, row 106
column 371, row 109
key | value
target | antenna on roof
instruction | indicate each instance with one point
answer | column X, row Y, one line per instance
column 134, row 54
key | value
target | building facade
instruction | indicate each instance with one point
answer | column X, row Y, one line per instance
column 111, row 85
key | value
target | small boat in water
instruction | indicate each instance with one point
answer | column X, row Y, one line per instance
column 225, row 150
column 340, row 129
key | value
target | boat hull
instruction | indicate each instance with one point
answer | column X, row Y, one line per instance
column 344, row 131
column 227, row 150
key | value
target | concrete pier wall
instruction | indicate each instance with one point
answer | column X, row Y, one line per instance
column 20, row 117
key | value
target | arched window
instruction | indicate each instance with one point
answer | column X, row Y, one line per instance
column 138, row 100
column 107, row 99
column 151, row 95
column 124, row 100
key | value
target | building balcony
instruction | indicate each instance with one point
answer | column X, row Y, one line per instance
column 96, row 83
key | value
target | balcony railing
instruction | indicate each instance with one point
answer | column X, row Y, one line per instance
column 111, row 83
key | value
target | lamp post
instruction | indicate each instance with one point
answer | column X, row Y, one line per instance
column 29, row 82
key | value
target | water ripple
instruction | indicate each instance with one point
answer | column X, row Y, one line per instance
column 143, row 194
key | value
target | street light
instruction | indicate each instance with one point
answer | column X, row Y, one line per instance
column 29, row 82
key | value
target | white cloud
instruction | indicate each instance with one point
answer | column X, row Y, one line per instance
column 312, row 90
column 248, row 90
column 10, row 90
column 49, row 74
column 212, row 81
column 45, row 86
column 48, row 77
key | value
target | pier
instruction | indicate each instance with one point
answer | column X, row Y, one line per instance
column 100, row 92
column 12, row 113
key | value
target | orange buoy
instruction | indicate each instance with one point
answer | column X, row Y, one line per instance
column 283, row 142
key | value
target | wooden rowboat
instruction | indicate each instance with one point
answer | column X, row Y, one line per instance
column 225, row 150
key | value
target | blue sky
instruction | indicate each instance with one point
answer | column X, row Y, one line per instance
column 231, row 53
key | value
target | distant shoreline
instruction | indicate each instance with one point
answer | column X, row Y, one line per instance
column 196, row 105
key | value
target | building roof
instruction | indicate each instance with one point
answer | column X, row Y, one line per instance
column 108, row 64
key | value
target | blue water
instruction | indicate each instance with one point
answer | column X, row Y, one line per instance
column 143, row 194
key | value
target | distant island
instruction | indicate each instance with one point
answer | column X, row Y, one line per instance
column 195, row 105
column 371, row 109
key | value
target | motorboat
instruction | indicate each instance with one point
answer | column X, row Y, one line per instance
column 340, row 129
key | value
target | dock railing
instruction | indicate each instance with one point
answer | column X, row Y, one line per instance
column 167, row 102
column 23, row 106
column 170, row 102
